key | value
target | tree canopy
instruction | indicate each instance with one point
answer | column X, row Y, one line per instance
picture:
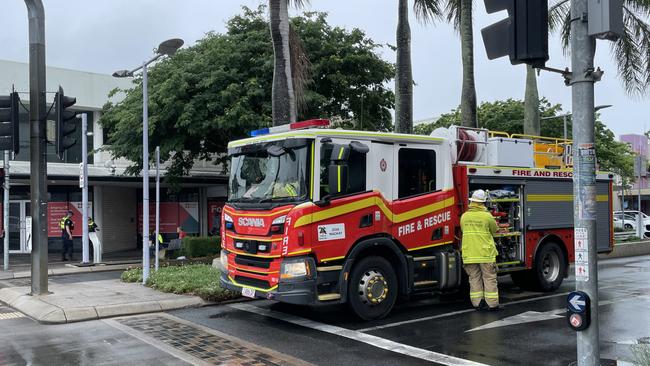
column 220, row 89
column 508, row 116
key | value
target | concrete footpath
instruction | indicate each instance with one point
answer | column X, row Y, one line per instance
column 64, row 269
column 88, row 300
column 630, row 249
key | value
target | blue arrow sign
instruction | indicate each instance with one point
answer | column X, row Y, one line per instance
column 576, row 301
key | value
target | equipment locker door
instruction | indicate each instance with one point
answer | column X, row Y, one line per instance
column 382, row 169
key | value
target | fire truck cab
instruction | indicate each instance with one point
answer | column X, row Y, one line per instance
column 325, row 216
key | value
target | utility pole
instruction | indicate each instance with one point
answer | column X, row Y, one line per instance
column 583, row 77
column 84, row 189
column 5, row 213
column 145, row 176
column 37, row 144
column 157, row 204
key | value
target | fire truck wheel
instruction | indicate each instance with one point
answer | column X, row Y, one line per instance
column 372, row 288
column 550, row 267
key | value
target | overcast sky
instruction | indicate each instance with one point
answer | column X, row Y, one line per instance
column 106, row 35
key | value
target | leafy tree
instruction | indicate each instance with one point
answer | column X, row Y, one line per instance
column 508, row 116
column 220, row 89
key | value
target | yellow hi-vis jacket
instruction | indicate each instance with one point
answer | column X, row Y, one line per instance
column 478, row 228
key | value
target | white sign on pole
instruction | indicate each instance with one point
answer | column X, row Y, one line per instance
column 581, row 250
column 81, row 175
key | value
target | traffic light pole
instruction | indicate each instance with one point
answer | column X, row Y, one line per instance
column 84, row 189
column 583, row 77
column 5, row 213
column 145, row 176
column 37, row 146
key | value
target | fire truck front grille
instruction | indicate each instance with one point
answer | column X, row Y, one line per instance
column 252, row 282
column 253, row 261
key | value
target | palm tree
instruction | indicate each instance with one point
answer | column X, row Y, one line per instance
column 459, row 13
column 631, row 51
column 531, row 104
column 425, row 10
column 290, row 63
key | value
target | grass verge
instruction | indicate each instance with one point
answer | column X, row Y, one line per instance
column 194, row 279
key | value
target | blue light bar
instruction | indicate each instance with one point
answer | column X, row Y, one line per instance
column 260, row 132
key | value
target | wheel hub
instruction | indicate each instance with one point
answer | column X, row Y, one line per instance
column 551, row 266
column 373, row 288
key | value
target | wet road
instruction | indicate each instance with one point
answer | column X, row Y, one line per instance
column 531, row 330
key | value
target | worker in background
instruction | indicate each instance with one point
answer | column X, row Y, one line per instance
column 480, row 252
column 67, row 225
column 180, row 232
column 94, row 239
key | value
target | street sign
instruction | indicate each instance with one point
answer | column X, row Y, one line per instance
column 578, row 310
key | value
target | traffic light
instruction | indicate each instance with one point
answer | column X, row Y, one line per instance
column 523, row 36
column 65, row 122
column 9, row 122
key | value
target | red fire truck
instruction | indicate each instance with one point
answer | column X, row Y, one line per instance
column 324, row 216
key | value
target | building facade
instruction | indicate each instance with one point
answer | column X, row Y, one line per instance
column 640, row 187
column 115, row 200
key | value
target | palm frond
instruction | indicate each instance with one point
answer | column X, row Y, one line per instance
column 298, row 4
column 452, row 10
column 428, row 10
column 632, row 51
column 557, row 13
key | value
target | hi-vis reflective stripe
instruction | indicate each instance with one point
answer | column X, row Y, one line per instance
column 491, row 295
column 253, row 287
column 476, row 295
column 560, row 198
column 338, row 176
column 374, row 201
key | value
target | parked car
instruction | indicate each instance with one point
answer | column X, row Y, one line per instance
column 632, row 215
column 624, row 222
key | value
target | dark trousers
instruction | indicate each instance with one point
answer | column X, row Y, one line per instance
column 67, row 248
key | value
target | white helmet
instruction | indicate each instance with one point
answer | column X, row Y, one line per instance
column 479, row 195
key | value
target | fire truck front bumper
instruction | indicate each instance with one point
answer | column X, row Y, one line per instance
column 296, row 292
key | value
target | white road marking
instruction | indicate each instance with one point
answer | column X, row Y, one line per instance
column 527, row 317
column 453, row 313
column 12, row 315
column 360, row 337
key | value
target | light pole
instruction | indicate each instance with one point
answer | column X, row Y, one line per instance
column 168, row 47
column 564, row 116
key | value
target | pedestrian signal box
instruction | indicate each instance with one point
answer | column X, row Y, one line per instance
column 578, row 310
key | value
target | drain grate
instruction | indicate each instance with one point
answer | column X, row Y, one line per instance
column 201, row 344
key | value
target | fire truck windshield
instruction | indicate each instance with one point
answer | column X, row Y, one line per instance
column 269, row 176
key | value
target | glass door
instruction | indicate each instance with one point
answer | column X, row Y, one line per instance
column 20, row 230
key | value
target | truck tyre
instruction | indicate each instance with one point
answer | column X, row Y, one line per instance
column 550, row 267
column 372, row 290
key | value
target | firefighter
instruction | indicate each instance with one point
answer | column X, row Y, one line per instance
column 479, row 253
column 67, row 225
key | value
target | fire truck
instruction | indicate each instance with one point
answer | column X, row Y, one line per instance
column 319, row 216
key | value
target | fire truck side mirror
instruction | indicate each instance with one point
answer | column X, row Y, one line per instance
column 338, row 179
column 340, row 153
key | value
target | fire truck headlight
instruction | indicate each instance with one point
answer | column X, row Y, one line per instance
column 223, row 261
column 279, row 220
column 296, row 269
